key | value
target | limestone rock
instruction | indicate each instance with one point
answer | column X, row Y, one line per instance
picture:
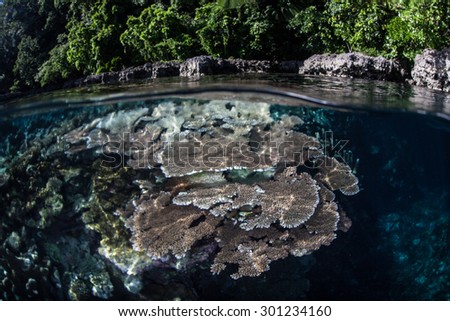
column 432, row 69
column 353, row 65
column 197, row 66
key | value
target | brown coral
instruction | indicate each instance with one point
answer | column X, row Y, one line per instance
column 215, row 151
column 336, row 175
column 290, row 209
column 304, row 210
column 282, row 145
column 252, row 251
column 213, row 180
column 326, row 216
column 252, row 224
column 160, row 229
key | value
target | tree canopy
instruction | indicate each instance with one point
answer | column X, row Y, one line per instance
column 45, row 41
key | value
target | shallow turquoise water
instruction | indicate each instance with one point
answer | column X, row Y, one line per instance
column 83, row 216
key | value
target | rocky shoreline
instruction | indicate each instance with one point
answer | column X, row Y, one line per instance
column 431, row 69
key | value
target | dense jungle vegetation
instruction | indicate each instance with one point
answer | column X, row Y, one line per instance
column 43, row 42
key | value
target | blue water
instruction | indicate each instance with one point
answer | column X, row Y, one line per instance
column 53, row 239
column 398, row 245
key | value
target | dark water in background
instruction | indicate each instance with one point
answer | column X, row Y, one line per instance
column 397, row 248
column 398, row 245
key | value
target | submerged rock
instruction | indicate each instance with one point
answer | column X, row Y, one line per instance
column 432, row 69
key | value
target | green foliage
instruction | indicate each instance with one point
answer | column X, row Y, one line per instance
column 94, row 32
column 261, row 41
column 417, row 26
column 396, row 29
column 313, row 31
column 159, row 33
column 8, row 52
column 359, row 24
column 56, row 68
column 104, row 35
column 220, row 31
column 29, row 31
column 27, row 62
column 233, row 4
column 251, row 31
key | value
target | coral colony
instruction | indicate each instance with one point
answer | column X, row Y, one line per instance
column 222, row 173
column 166, row 185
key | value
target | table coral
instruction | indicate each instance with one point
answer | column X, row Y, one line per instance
column 224, row 173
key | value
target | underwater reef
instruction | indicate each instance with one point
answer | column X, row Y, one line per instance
column 127, row 201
